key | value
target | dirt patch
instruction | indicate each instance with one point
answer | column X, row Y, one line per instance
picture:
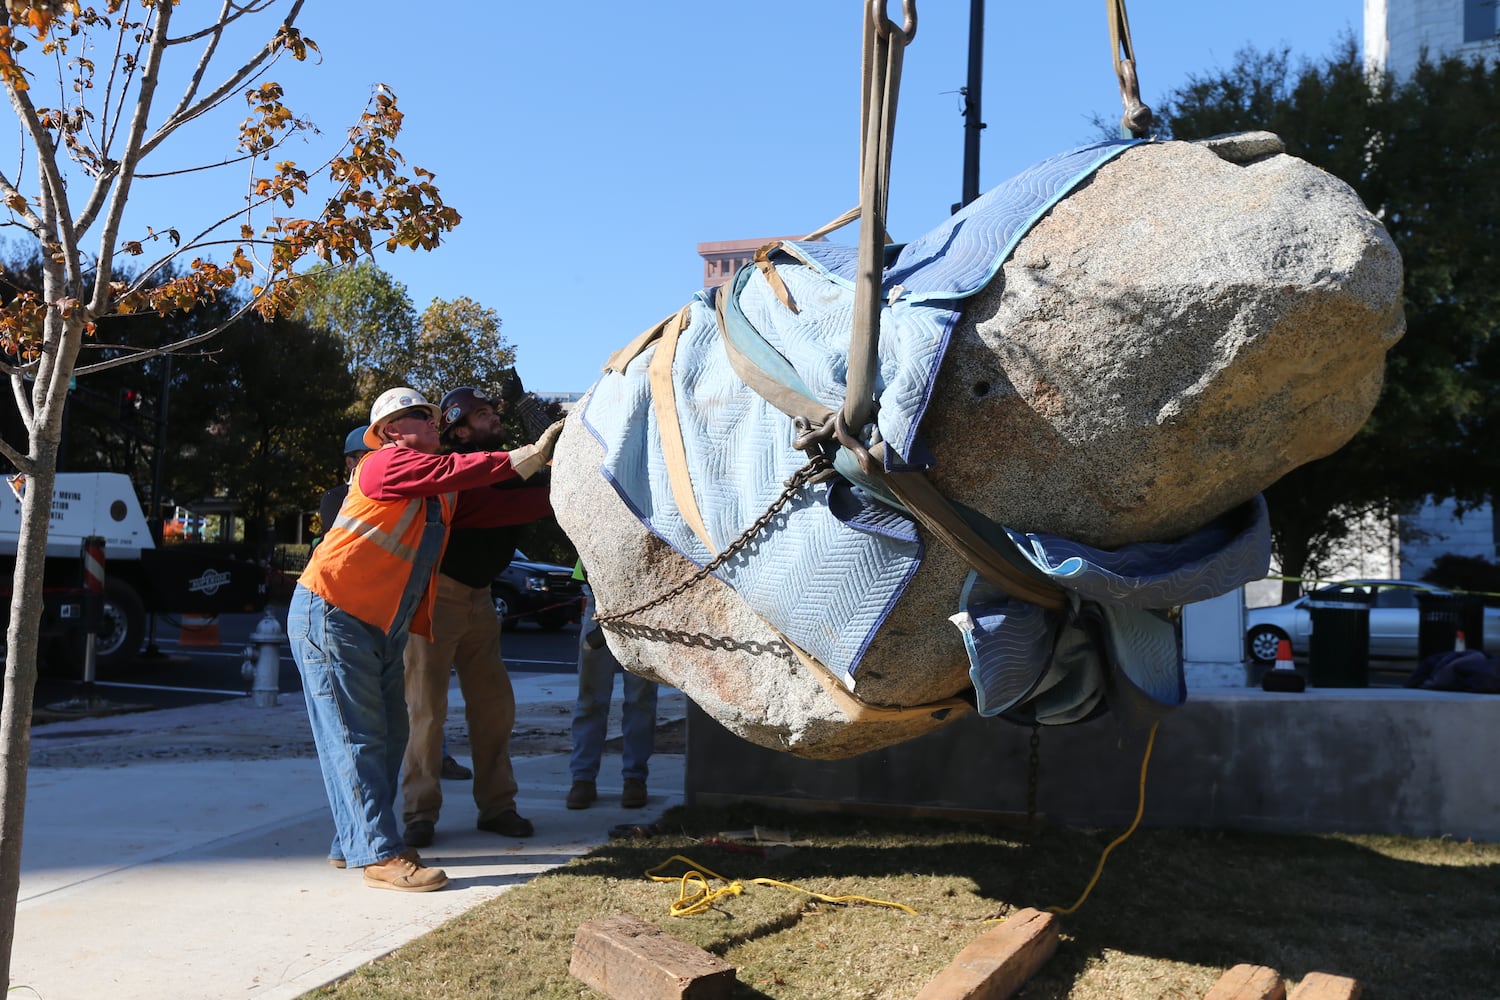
column 671, row 737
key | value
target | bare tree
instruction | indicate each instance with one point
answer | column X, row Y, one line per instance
column 85, row 84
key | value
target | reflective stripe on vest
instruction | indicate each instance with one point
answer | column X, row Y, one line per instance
column 365, row 564
column 390, row 541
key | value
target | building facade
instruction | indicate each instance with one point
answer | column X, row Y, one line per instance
column 1398, row 31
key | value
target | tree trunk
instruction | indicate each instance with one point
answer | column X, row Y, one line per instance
column 1293, row 556
column 20, row 684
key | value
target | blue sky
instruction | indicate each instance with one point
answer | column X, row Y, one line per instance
column 590, row 147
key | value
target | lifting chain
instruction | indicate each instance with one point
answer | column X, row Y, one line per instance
column 1026, row 853
column 814, row 471
column 1033, row 773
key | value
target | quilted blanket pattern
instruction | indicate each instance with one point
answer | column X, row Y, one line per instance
column 833, row 563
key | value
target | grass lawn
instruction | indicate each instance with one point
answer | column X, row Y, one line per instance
column 1410, row 919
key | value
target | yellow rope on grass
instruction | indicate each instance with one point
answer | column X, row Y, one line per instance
column 1139, row 809
column 703, row 896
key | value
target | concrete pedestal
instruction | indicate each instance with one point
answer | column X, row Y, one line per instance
column 1416, row 763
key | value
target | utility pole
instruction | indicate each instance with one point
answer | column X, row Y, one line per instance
column 972, row 120
column 155, row 521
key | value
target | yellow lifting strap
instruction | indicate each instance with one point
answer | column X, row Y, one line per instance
column 884, row 46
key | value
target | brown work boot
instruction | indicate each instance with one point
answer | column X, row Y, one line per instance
column 405, row 873
column 508, row 824
column 452, row 770
column 634, row 795
column 582, row 795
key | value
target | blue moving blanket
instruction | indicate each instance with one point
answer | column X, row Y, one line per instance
column 828, row 570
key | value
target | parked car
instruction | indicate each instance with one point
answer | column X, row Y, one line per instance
column 544, row 593
column 1394, row 619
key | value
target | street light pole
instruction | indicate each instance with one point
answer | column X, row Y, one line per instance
column 158, row 532
column 972, row 119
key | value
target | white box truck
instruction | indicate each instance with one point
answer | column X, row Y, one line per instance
column 140, row 578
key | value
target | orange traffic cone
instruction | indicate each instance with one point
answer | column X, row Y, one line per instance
column 199, row 630
column 1284, row 676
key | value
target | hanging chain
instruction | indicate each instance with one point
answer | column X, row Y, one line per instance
column 1033, row 772
column 615, row 622
column 1026, row 851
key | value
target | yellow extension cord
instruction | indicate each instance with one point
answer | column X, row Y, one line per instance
column 1140, row 807
column 702, row 896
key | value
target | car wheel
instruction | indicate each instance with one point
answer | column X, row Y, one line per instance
column 505, row 602
column 1261, row 643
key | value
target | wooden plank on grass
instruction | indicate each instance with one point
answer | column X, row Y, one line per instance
column 626, row 958
column 998, row 962
column 1248, row 982
column 1323, row 986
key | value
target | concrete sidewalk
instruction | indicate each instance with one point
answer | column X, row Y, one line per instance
column 188, row 859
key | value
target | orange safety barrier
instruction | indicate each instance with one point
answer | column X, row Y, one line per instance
column 199, row 630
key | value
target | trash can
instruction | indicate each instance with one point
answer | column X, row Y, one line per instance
column 1338, row 652
column 1443, row 616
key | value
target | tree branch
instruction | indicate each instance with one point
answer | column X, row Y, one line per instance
column 225, row 18
column 224, row 89
column 175, row 347
column 130, row 155
column 214, row 33
column 46, row 152
column 10, row 196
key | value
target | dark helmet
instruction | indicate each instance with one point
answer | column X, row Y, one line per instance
column 458, row 404
column 354, row 442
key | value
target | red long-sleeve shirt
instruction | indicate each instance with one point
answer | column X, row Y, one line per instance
column 396, row 473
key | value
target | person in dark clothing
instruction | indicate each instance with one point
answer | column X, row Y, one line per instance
column 328, row 507
column 466, row 636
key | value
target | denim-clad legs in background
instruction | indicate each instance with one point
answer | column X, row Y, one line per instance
column 596, row 681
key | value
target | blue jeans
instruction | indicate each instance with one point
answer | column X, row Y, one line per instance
column 353, row 679
column 596, row 682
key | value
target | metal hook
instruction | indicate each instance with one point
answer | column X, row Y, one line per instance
column 1137, row 117
column 855, row 446
column 885, row 26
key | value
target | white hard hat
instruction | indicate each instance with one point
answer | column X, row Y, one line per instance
column 391, row 403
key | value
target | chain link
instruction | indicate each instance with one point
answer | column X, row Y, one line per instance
column 702, row 640
column 1033, row 773
column 816, row 467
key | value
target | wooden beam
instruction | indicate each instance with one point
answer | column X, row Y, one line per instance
column 626, row 958
column 997, row 964
column 1249, row 982
column 1322, row 986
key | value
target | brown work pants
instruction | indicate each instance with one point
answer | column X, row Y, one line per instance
column 466, row 635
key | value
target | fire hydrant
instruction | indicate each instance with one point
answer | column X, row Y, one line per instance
column 263, row 661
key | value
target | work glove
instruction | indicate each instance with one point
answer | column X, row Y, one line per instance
column 529, row 459
column 511, row 388
column 534, row 416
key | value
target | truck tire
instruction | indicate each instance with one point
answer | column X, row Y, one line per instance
column 119, row 637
